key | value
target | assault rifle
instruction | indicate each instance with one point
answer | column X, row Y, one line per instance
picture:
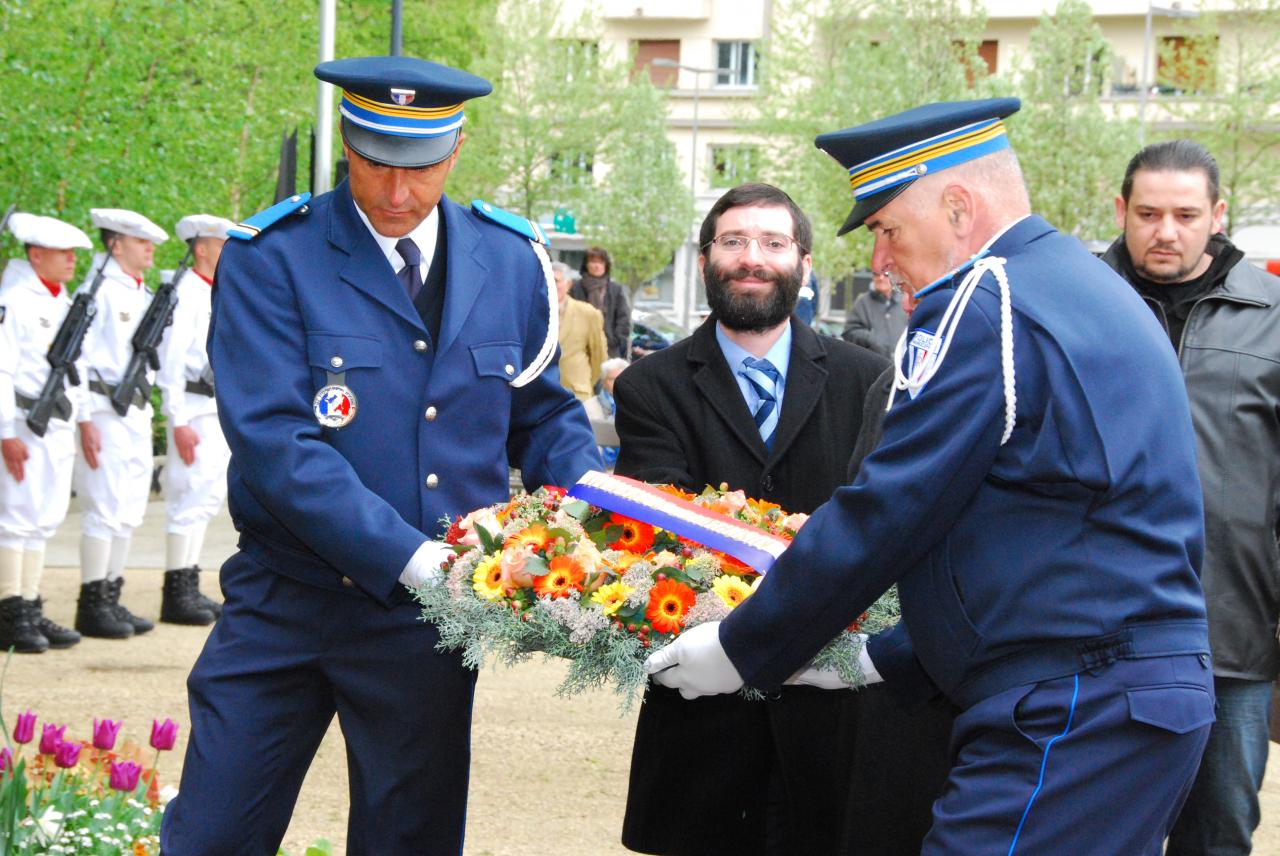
column 64, row 352
column 134, row 386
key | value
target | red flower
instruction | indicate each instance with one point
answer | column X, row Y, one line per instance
column 565, row 575
column 455, row 533
column 636, row 537
column 669, row 600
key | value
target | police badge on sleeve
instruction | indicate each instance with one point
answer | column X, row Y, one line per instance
column 922, row 354
column 334, row 406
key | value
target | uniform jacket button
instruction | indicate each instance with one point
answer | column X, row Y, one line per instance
column 431, row 414
column 336, row 362
column 419, row 346
column 766, row 483
column 346, row 581
column 509, row 369
column 432, row 481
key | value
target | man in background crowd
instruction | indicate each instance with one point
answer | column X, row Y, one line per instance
column 596, row 288
column 1222, row 315
column 876, row 319
column 581, row 337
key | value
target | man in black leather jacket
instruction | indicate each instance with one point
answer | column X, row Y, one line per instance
column 1223, row 318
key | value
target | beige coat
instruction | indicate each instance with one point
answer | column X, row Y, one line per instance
column 582, row 347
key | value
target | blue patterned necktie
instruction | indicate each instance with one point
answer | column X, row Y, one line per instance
column 763, row 378
column 411, row 274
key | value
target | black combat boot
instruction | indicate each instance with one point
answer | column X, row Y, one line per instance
column 17, row 630
column 58, row 636
column 180, row 603
column 140, row 625
column 208, row 603
column 96, row 613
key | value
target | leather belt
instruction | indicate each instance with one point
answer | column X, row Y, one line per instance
column 200, row 387
column 61, row 407
column 109, row 390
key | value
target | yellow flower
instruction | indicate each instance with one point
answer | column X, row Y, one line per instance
column 732, row 590
column 487, row 579
column 611, row 597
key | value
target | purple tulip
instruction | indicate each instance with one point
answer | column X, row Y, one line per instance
column 50, row 738
column 124, row 775
column 6, row 759
column 68, row 754
column 25, row 729
column 164, row 734
column 104, row 734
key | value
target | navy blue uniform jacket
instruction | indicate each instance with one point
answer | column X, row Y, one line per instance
column 318, row 503
column 1087, row 523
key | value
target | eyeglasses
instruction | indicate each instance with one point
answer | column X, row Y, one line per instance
column 770, row 243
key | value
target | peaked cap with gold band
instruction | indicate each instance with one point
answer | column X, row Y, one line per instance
column 401, row 111
column 883, row 157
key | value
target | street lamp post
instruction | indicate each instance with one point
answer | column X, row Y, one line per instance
column 664, row 62
column 1174, row 11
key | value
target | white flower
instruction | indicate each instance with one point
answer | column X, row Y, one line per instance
column 48, row 825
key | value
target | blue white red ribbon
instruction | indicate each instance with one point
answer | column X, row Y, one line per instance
column 752, row 546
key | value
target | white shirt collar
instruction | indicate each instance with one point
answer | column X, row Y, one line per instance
column 424, row 235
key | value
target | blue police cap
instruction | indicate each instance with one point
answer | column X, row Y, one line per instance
column 399, row 110
column 883, row 157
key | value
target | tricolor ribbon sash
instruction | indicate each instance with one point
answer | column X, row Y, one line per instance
column 639, row 501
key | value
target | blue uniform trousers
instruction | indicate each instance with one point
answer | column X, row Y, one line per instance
column 284, row 658
column 1098, row 762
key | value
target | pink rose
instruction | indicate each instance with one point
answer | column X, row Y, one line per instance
column 482, row 518
column 666, row 559
column 795, row 521
column 731, row 502
column 512, row 564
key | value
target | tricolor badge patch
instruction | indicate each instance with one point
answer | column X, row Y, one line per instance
column 403, row 97
column 922, row 351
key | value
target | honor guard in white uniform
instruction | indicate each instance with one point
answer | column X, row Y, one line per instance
column 35, row 487
column 195, row 471
column 113, row 473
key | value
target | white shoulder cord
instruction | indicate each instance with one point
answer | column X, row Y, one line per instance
column 946, row 331
column 548, row 349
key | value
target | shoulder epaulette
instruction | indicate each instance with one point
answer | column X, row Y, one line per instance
column 264, row 220
column 520, row 225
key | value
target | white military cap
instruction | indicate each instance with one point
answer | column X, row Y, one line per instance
column 129, row 223
column 47, row 232
column 203, row 226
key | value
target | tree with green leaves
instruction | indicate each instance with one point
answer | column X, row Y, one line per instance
column 833, row 64
column 641, row 209
column 1072, row 154
column 1226, row 69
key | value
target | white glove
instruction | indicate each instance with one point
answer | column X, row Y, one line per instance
column 695, row 664
column 829, row 679
column 424, row 564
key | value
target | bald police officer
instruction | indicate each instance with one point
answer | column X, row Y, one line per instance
column 113, row 473
column 382, row 354
column 1034, row 496
column 35, row 487
column 195, row 471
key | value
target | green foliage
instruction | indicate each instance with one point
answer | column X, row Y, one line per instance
column 1230, row 64
column 833, row 64
column 1072, row 155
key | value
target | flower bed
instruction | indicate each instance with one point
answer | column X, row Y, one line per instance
column 550, row 573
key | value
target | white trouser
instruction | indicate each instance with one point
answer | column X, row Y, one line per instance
column 31, row 510
column 193, row 494
column 114, row 496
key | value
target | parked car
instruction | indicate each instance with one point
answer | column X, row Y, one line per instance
column 652, row 332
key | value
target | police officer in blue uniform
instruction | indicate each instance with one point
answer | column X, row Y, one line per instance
column 381, row 355
column 1034, row 496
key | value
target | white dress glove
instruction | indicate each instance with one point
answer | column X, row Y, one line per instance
column 424, row 564
column 695, row 664
column 829, row 679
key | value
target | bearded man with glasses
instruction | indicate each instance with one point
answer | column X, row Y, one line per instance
column 756, row 400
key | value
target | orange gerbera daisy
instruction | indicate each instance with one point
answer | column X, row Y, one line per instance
column 636, row 537
column 669, row 600
column 676, row 491
column 563, row 576
column 535, row 536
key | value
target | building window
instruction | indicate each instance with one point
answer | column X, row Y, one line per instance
column 578, row 58
column 647, row 50
column 573, row 169
column 735, row 64
column 732, row 165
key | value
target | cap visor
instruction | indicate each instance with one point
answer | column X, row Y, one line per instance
column 864, row 208
column 398, row 151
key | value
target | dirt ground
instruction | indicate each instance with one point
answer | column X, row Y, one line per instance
column 556, row 789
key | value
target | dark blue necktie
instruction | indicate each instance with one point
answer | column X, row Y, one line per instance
column 411, row 274
column 763, row 378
